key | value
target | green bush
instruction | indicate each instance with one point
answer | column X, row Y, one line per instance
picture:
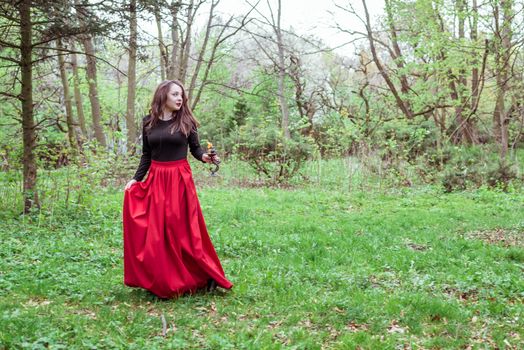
column 501, row 176
column 476, row 166
column 270, row 153
column 335, row 135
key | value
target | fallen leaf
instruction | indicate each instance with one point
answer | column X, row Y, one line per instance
column 274, row 324
column 395, row 328
column 356, row 327
column 339, row 310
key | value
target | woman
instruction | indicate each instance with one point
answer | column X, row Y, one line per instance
column 167, row 249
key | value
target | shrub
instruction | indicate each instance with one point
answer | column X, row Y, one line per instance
column 501, row 176
column 270, row 153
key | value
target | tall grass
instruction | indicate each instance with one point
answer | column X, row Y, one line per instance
column 314, row 267
column 74, row 186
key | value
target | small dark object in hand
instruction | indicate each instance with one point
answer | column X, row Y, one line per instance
column 211, row 151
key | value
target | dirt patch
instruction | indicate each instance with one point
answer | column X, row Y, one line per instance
column 467, row 296
column 36, row 302
column 356, row 327
column 505, row 237
column 417, row 247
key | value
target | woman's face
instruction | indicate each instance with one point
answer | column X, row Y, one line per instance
column 174, row 98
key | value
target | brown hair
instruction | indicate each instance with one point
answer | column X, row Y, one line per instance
column 183, row 119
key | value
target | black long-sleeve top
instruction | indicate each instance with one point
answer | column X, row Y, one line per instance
column 159, row 144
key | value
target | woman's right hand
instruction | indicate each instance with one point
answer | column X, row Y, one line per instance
column 129, row 184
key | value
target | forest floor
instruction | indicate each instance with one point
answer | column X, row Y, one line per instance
column 312, row 267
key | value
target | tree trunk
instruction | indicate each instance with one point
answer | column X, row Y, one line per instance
column 161, row 46
column 466, row 129
column 131, row 80
column 186, row 45
column 400, row 102
column 172, row 68
column 460, row 80
column 475, row 81
column 221, row 37
column 306, row 107
column 462, row 128
column 67, row 98
column 78, row 95
column 26, row 97
column 397, row 53
column 93, row 90
column 89, row 50
column 503, row 48
column 282, row 74
column 202, row 51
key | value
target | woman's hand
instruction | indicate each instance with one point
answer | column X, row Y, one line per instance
column 208, row 159
column 129, row 184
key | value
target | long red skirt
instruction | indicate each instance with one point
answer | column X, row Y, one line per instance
column 167, row 249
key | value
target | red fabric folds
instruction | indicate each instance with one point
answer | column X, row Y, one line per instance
column 167, row 249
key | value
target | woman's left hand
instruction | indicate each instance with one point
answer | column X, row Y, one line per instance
column 208, row 159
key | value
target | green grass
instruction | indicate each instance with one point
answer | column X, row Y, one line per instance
column 314, row 267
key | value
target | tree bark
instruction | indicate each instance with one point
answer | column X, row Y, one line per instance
column 93, row 90
column 397, row 56
column 282, row 74
column 462, row 128
column 501, row 116
column 463, row 133
column 202, row 51
column 26, row 96
column 161, row 45
column 96, row 113
column 78, row 95
column 186, row 44
column 400, row 102
column 305, row 106
column 172, row 68
column 131, row 80
column 67, row 99
column 221, row 37
column 475, row 81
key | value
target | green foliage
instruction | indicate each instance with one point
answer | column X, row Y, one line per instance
column 475, row 167
column 312, row 268
column 10, row 156
column 335, row 135
column 406, row 140
column 265, row 147
column 502, row 176
column 53, row 152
